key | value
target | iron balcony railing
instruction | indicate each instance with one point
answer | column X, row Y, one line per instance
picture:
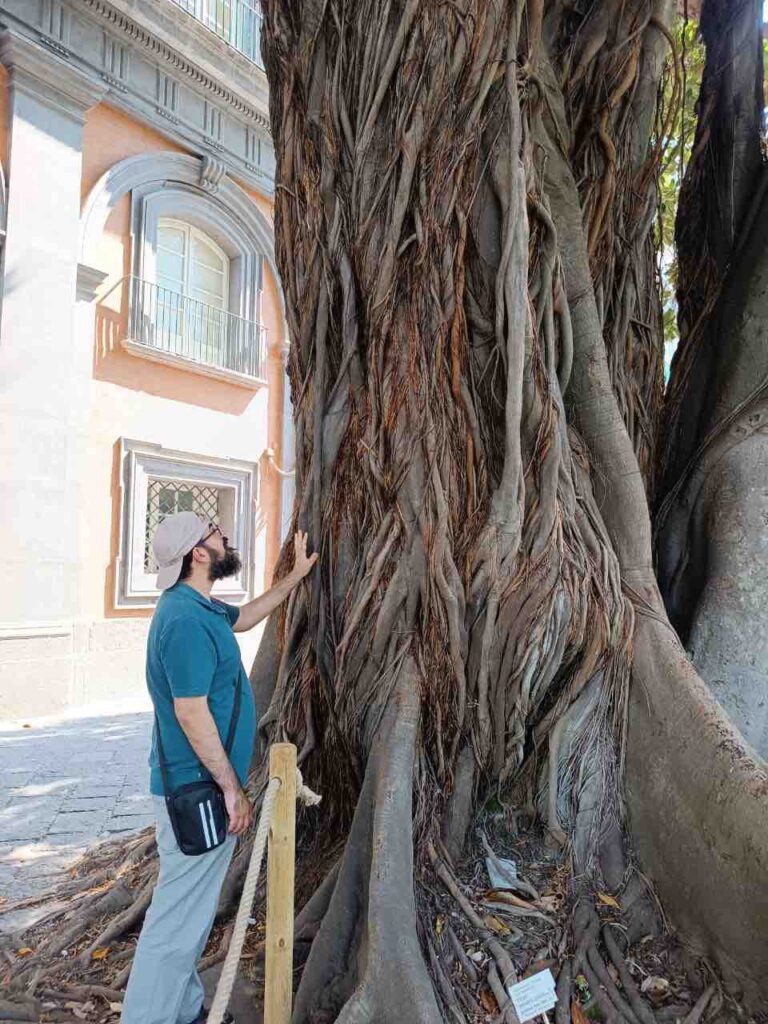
column 165, row 321
column 236, row 21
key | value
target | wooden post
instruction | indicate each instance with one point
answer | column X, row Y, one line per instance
column 281, row 850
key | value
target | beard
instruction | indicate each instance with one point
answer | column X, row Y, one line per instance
column 222, row 566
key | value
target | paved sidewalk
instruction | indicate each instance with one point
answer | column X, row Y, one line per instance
column 67, row 783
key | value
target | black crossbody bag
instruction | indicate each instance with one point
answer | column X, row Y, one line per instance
column 197, row 810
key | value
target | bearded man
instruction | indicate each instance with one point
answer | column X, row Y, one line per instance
column 201, row 694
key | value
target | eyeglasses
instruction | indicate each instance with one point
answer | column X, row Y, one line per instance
column 213, row 529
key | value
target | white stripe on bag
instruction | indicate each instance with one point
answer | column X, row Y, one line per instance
column 214, row 833
column 201, row 808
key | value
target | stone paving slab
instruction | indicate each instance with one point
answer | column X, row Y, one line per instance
column 77, row 803
column 78, row 822
column 130, row 822
column 66, row 784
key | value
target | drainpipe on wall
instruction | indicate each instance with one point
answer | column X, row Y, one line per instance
column 277, row 495
column 3, row 216
column 288, row 484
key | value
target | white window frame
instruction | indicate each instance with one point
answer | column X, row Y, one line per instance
column 190, row 232
column 140, row 461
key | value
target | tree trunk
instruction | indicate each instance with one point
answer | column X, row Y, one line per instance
column 464, row 203
column 713, row 470
column 712, row 495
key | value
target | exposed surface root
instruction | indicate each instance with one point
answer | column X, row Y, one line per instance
column 365, row 960
column 580, row 936
column 472, row 939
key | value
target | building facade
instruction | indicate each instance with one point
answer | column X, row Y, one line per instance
column 142, row 338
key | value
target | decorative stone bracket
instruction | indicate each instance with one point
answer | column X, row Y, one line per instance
column 89, row 279
column 212, row 173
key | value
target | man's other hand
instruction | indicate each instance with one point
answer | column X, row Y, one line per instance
column 239, row 810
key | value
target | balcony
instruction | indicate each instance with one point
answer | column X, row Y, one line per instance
column 237, row 22
column 171, row 328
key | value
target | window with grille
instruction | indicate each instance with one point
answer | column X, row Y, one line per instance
column 157, row 482
column 165, row 497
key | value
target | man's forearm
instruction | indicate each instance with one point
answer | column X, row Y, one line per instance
column 251, row 614
column 199, row 727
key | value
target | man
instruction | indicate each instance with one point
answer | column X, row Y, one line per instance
column 193, row 669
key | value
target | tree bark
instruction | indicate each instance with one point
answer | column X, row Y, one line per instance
column 476, row 371
column 463, row 214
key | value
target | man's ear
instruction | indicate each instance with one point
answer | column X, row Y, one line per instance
column 199, row 554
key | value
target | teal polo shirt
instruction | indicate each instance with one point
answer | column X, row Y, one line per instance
column 192, row 652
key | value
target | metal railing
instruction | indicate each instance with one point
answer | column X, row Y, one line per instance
column 238, row 22
column 166, row 321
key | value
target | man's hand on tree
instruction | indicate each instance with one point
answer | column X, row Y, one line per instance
column 260, row 607
column 239, row 810
column 302, row 563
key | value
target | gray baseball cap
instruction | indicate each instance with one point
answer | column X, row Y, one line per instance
column 174, row 538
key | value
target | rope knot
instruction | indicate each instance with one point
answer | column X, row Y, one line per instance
column 304, row 793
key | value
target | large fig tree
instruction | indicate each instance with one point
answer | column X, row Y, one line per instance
column 465, row 221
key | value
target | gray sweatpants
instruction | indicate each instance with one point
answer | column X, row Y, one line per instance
column 164, row 986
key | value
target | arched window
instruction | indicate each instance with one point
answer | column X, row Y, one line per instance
column 191, row 264
column 186, row 306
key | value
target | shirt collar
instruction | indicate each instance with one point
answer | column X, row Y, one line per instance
column 189, row 593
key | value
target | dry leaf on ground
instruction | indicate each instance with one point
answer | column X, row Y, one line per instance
column 503, row 896
column 488, row 1000
column 577, row 1014
column 496, row 925
column 80, row 1010
column 608, row 901
column 539, row 965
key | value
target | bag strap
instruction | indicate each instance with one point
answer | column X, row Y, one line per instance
column 161, row 757
column 235, row 715
column 227, row 746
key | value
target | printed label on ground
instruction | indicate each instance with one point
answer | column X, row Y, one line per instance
column 533, row 996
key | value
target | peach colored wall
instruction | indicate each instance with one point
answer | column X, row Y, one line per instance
column 277, row 383
column 110, row 136
column 135, row 398
column 263, row 202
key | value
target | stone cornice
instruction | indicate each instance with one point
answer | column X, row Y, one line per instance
column 52, row 46
column 158, row 48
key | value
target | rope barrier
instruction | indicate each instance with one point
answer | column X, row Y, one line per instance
column 229, row 970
